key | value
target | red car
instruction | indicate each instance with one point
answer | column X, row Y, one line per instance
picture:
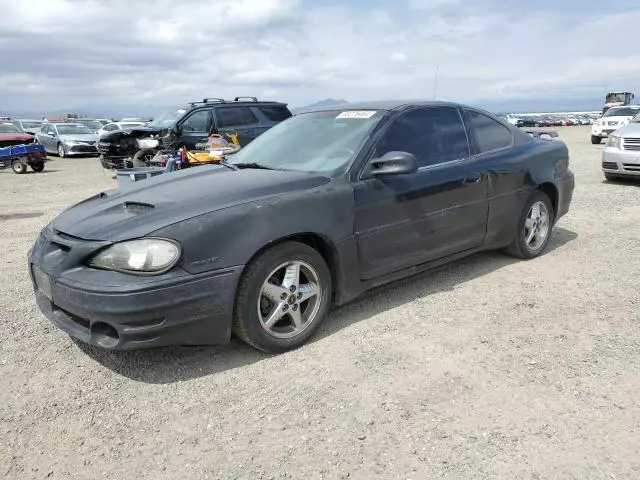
column 11, row 135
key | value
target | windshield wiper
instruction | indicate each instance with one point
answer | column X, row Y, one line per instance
column 252, row 165
column 228, row 165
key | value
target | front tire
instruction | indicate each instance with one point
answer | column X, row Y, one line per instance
column 61, row 152
column 610, row 177
column 282, row 298
column 596, row 140
column 37, row 167
column 18, row 167
column 534, row 227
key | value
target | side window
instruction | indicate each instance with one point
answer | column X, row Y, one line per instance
column 275, row 113
column 111, row 128
column 196, row 122
column 248, row 117
column 229, row 116
column 490, row 134
column 434, row 135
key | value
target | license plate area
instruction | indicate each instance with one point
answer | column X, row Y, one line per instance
column 43, row 282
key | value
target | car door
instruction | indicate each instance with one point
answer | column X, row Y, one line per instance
column 47, row 139
column 237, row 120
column 492, row 144
column 195, row 128
column 440, row 210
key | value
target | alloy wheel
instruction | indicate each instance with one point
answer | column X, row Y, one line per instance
column 289, row 299
column 536, row 226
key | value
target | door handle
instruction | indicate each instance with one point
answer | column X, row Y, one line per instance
column 475, row 178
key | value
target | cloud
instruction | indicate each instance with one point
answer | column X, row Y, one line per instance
column 138, row 53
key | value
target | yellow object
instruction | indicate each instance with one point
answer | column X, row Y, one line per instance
column 234, row 138
column 200, row 158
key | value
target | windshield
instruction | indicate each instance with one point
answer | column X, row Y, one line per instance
column 167, row 119
column 311, row 142
column 73, row 130
column 621, row 112
column 91, row 124
column 9, row 128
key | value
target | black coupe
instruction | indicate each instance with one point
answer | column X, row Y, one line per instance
column 315, row 211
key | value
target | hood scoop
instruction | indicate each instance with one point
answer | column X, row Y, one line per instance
column 137, row 207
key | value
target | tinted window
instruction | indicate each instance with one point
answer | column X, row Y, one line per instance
column 248, row 118
column 111, row 127
column 433, row 135
column 490, row 134
column 229, row 116
column 275, row 113
column 197, row 122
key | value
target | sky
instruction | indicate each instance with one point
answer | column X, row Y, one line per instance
column 139, row 54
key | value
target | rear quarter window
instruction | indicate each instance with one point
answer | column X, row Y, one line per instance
column 275, row 113
column 490, row 134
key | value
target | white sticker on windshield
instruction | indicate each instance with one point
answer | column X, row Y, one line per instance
column 357, row 114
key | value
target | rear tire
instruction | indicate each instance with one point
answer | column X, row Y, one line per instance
column 18, row 167
column 533, row 234
column 596, row 140
column 276, row 309
column 37, row 167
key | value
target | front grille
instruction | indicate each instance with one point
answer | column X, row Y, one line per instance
column 610, row 165
column 631, row 167
column 632, row 144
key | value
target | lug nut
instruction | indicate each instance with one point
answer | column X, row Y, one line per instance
column 299, row 295
column 285, row 307
column 295, row 308
column 292, row 288
column 283, row 296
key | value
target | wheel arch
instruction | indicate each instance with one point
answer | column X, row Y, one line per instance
column 551, row 191
column 320, row 243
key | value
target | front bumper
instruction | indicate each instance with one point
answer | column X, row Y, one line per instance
column 621, row 162
column 123, row 312
column 79, row 149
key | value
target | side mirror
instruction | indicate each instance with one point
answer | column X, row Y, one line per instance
column 392, row 163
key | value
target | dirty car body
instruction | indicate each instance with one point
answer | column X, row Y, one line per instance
column 353, row 196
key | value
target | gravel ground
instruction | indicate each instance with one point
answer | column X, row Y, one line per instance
column 485, row 368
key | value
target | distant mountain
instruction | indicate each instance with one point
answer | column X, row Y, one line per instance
column 328, row 102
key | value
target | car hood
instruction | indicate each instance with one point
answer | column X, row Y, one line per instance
column 8, row 139
column 135, row 132
column 631, row 130
column 80, row 138
column 145, row 206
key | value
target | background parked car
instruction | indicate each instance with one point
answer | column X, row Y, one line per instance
column 67, row 139
column 29, row 126
column 10, row 134
column 118, row 126
column 90, row 123
column 613, row 119
column 621, row 155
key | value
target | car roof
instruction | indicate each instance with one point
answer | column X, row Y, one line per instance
column 384, row 105
column 66, row 123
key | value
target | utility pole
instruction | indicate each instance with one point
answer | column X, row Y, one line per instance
column 435, row 82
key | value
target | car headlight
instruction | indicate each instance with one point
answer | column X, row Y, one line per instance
column 142, row 256
column 614, row 142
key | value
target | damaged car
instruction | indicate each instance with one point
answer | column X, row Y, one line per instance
column 319, row 209
column 247, row 117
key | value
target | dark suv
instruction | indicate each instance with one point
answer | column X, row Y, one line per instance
column 247, row 117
